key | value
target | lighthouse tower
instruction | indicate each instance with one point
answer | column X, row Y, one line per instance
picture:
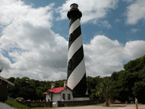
column 76, row 74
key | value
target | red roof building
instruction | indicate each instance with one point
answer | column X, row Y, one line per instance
column 55, row 90
column 59, row 94
column 62, row 94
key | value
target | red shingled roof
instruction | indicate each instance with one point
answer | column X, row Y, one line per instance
column 56, row 90
column 45, row 92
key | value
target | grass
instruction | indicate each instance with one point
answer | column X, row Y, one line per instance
column 21, row 106
column 16, row 104
column 43, row 108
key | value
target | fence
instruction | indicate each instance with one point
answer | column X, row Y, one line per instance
column 76, row 103
column 37, row 104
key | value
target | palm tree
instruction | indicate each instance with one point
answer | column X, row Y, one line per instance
column 104, row 88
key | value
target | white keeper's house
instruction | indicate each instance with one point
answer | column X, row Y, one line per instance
column 59, row 94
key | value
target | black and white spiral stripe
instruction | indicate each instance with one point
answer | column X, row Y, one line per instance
column 76, row 66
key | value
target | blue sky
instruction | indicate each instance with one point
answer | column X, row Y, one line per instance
column 34, row 36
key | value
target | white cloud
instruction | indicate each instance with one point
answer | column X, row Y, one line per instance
column 41, row 54
column 5, row 62
column 135, row 12
column 135, row 49
column 104, row 23
column 37, row 51
column 134, row 30
column 91, row 10
column 104, row 56
column 117, row 20
column 17, row 11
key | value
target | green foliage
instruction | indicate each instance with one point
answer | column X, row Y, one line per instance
column 16, row 104
column 33, row 90
column 104, row 89
column 139, row 90
column 130, row 82
column 135, row 65
column 114, row 76
column 19, row 98
column 91, row 84
column 93, row 95
column 12, row 79
column 59, row 83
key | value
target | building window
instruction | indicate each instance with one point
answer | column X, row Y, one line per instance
column 68, row 96
column 63, row 96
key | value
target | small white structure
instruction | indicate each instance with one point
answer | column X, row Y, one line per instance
column 62, row 94
column 59, row 94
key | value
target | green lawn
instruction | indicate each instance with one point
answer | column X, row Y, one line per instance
column 21, row 106
column 16, row 104
column 44, row 108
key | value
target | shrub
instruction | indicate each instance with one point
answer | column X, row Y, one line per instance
column 19, row 98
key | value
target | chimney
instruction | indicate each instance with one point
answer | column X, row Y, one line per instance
column 64, row 83
column 52, row 85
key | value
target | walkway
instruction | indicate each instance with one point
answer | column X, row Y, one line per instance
column 5, row 106
column 112, row 106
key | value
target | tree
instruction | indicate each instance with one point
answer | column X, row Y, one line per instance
column 91, row 84
column 139, row 90
column 39, row 93
column 104, row 88
column 11, row 79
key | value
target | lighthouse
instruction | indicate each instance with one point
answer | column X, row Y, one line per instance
column 76, row 74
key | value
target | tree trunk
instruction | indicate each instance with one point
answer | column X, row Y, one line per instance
column 106, row 99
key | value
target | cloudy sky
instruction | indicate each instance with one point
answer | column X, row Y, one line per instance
column 34, row 36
